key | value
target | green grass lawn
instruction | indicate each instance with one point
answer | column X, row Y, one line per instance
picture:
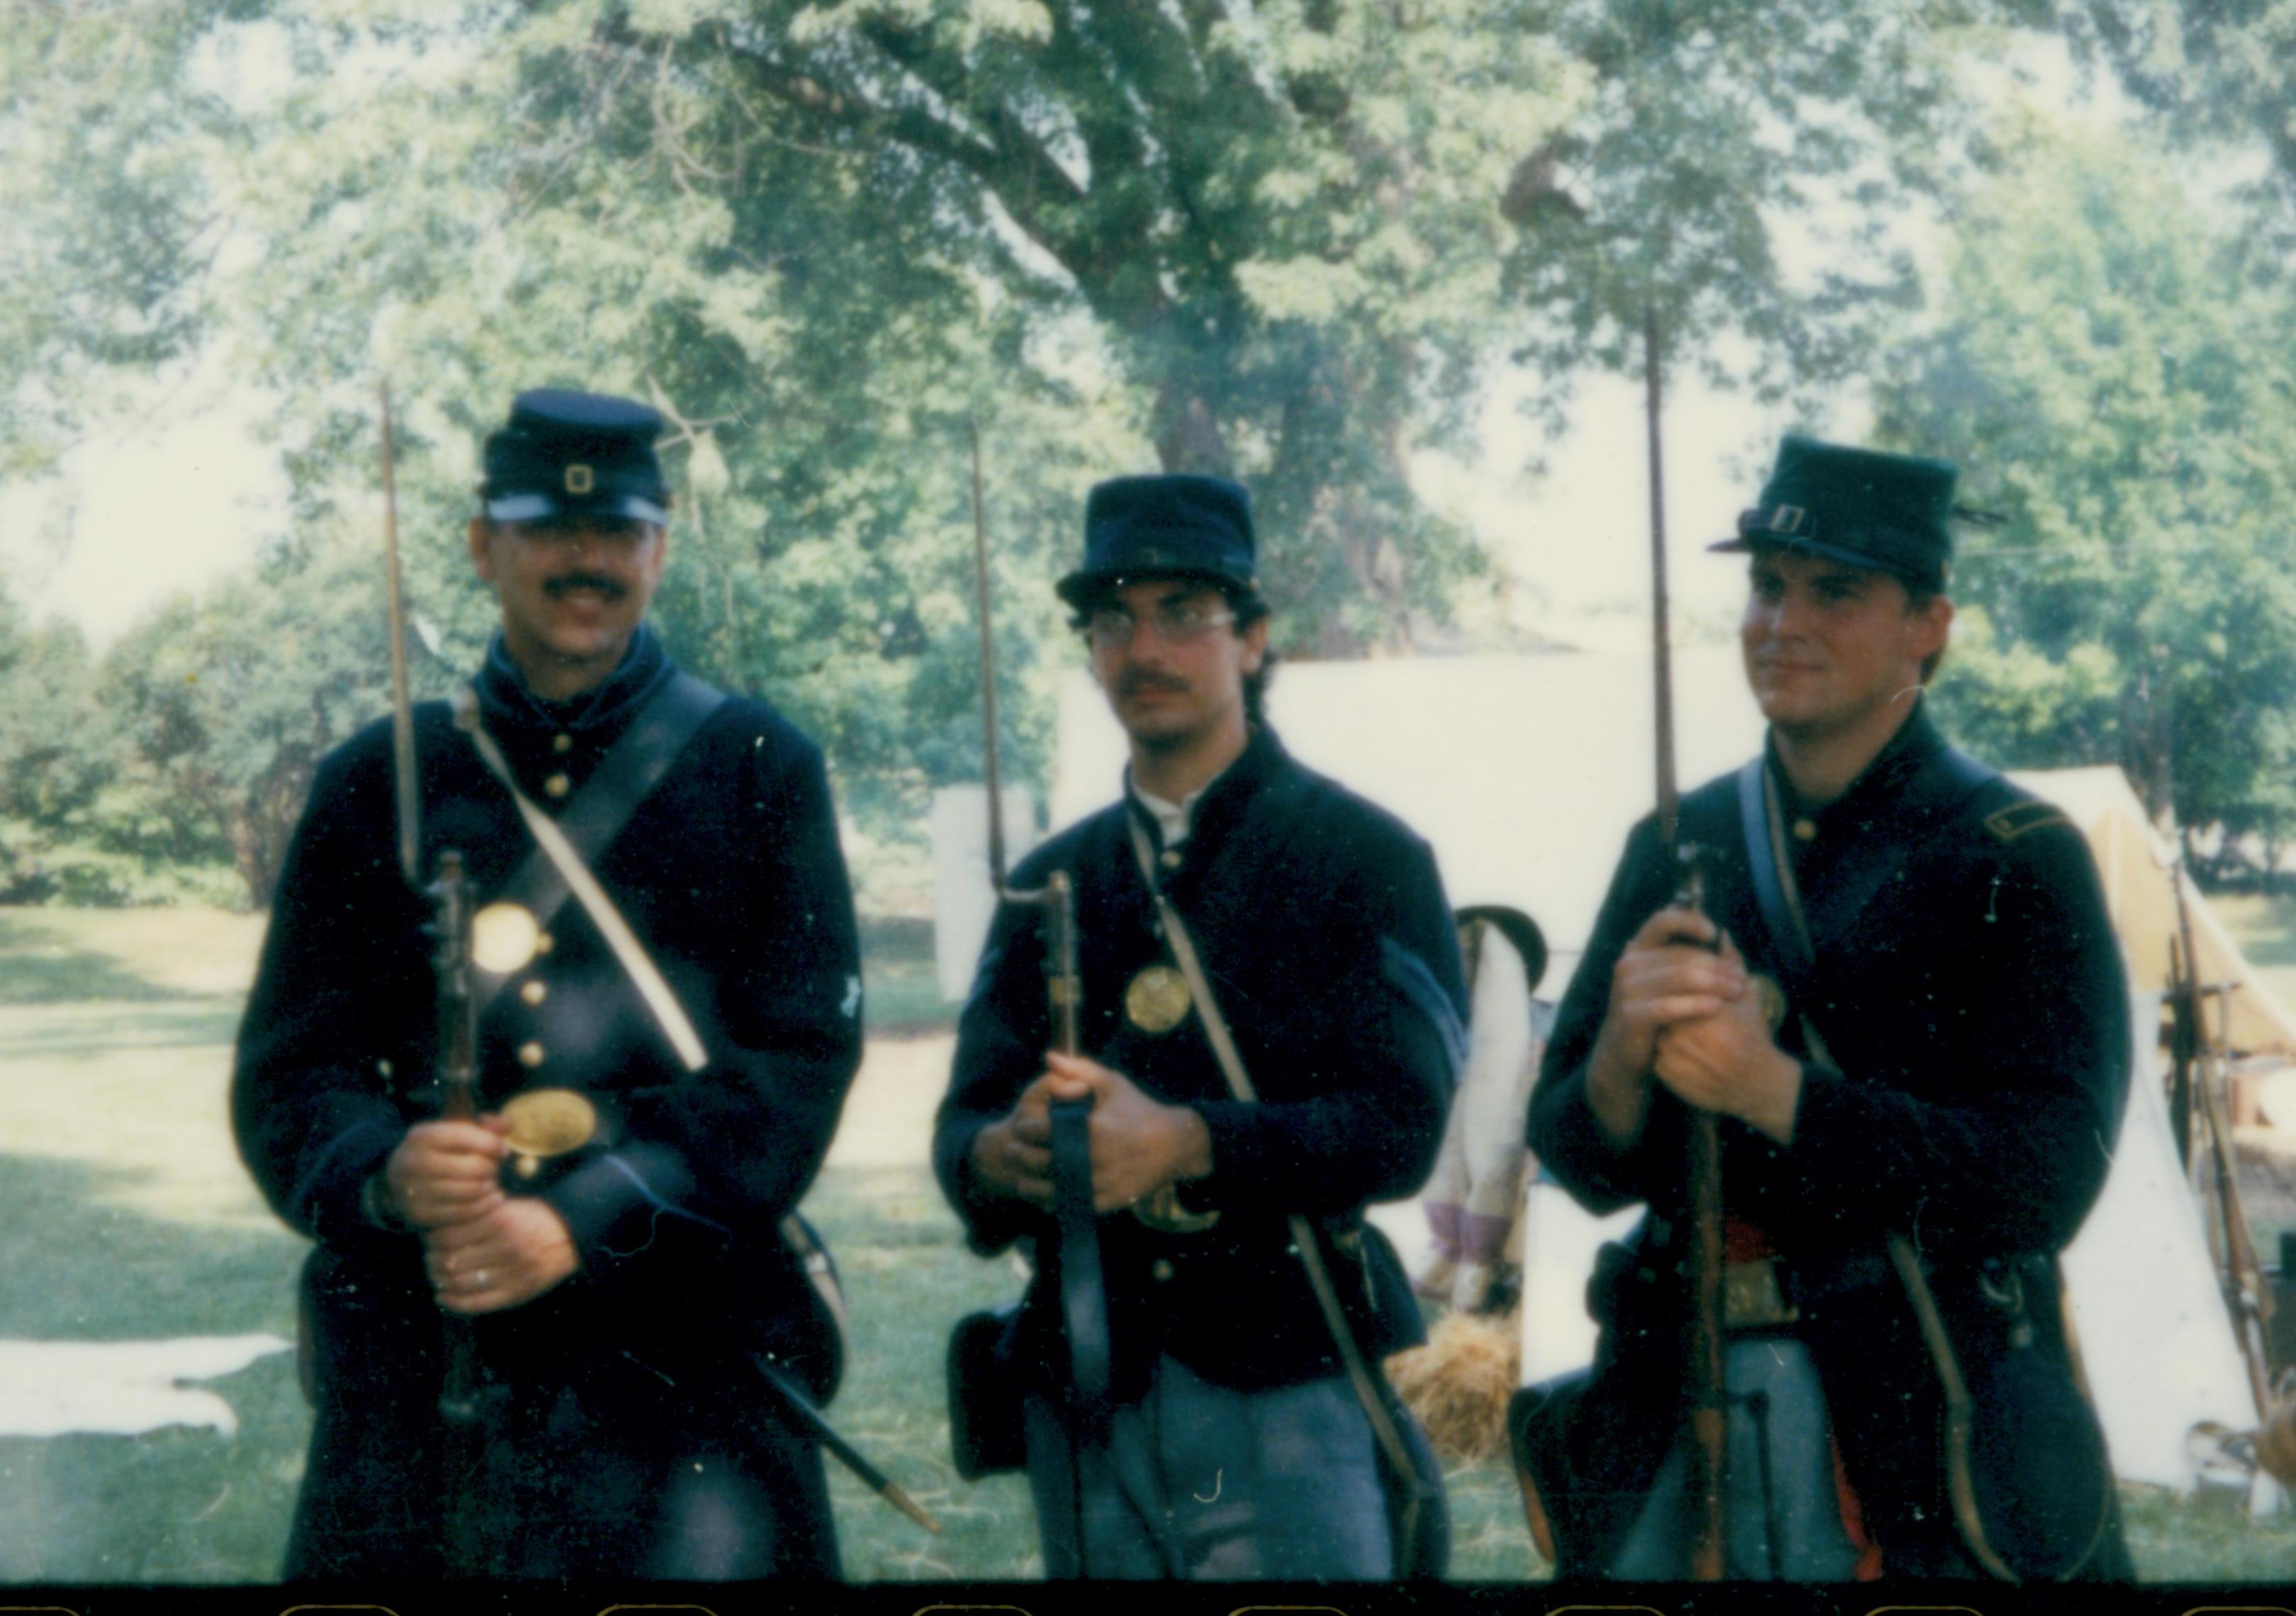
column 124, row 1216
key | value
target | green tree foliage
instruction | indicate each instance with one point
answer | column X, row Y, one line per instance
column 224, row 705
column 1734, row 176
column 2122, row 400
column 108, row 224
column 2221, row 69
column 50, row 775
column 1283, row 240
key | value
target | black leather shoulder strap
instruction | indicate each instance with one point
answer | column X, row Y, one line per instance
column 1948, row 781
column 630, row 770
column 1789, row 943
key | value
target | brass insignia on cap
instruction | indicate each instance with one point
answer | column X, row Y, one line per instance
column 1157, row 999
column 2018, row 818
column 580, row 479
column 504, row 937
column 1787, row 519
column 546, row 1123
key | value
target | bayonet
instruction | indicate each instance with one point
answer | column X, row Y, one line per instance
column 408, row 787
column 1056, row 897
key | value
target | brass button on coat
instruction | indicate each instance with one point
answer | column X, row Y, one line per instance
column 529, row 1055
column 561, row 743
column 1161, row 1269
column 558, row 785
column 1804, row 831
column 533, row 993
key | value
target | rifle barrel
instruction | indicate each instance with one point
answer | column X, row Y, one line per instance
column 1708, row 1419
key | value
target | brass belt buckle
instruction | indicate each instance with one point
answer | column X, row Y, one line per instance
column 1750, row 1297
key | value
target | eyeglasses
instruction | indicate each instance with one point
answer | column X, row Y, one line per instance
column 1176, row 623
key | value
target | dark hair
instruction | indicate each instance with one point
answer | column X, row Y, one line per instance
column 1250, row 607
column 1919, row 593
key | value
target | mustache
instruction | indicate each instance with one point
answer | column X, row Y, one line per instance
column 566, row 583
column 1133, row 681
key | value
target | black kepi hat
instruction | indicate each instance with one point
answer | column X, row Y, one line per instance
column 1177, row 525
column 565, row 453
column 1860, row 507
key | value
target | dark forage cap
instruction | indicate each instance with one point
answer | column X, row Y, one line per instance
column 564, row 453
column 1858, row 506
column 1177, row 525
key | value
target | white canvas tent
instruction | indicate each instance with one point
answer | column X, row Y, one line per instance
column 1525, row 773
column 2140, row 875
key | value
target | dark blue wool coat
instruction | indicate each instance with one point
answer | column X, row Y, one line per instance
column 635, row 1370
column 1977, row 1008
column 1324, row 927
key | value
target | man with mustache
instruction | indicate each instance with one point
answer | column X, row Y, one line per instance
column 612, row 1233
column 1228, row 1442
column 1904, row 1001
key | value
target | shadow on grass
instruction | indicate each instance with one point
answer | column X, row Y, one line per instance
column 95, row 1028
column 173, row 1505
column 38, row 967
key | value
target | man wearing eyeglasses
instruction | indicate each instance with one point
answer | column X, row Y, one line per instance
column 1232, row 1444
column 610, row 1237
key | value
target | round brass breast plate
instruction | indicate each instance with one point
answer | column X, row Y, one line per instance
column 1157, row 999
column 549, row 1121
column 503, row 937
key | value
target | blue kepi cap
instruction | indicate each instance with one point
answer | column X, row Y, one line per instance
column 565, row 453
column 1861, row 507
column 1177, row 525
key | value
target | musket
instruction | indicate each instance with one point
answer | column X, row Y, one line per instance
column 1709, row 1394
column 1083, row 1301
column 2246, row 1296
column 464, row 1394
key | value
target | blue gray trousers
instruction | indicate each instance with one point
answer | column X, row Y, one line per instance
column 1200, row 1482
column 1783, row 1520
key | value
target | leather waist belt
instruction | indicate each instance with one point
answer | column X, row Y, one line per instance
column 1770, row 1292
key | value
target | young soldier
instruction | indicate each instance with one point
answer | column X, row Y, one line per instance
column 607, row 1233
column 1918, row 1105
column 1231, row 1444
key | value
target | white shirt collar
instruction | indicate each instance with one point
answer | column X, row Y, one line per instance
column 1172, row 819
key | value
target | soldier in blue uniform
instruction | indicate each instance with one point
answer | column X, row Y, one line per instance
column 612, row 1225
column 1232, row 1446
column 1932, row 1081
